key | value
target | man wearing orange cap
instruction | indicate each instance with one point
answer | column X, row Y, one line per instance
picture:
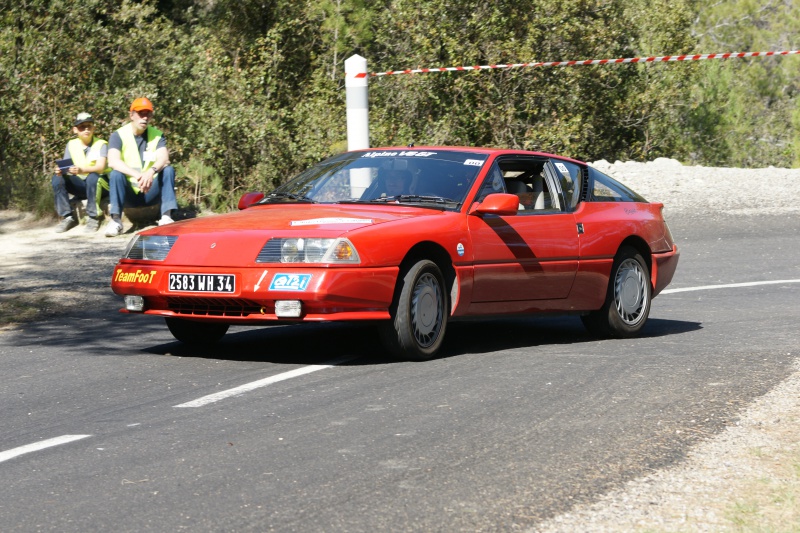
column 141, row 174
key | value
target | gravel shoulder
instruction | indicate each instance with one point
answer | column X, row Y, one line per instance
column 43, row 273
column 746, row 478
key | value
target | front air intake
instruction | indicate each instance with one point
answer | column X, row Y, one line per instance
column 213, row 307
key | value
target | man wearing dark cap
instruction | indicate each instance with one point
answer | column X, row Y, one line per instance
column 141, row 174
column 86, row 157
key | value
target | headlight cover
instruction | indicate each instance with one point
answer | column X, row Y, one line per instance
column 308, row 250
column 150, row 247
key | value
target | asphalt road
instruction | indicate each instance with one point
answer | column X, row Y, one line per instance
column 517, row 421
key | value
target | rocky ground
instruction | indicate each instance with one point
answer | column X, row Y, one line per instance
column 745, row 479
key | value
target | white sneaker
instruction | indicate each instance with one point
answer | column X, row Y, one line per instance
column 164, row 220
column 113, row 228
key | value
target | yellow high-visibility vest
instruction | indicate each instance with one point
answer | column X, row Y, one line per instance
column 130, row 150
column 76, row 148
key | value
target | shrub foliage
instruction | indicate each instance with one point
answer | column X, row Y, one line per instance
column 251, row 91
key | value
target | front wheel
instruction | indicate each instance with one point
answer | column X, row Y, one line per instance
column 196, row 333
column 419, row 314
column 628, row 298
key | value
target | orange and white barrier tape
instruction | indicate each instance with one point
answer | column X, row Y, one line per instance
column 653, row 59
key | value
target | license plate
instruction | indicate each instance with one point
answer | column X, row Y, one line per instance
column 225, row 283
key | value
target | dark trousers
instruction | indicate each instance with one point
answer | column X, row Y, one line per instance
column 162, row 191
column 67, row 184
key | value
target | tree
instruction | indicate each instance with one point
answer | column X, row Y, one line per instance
column 744, row 109
column 251, row 91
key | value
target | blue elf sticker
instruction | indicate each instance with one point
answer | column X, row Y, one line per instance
column 290, row 282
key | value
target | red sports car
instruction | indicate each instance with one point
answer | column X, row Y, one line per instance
column 410, row 238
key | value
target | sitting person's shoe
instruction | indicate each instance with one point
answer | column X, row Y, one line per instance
column 164, row 220
column 92, row 225
column 66, row 224
column 113, row 228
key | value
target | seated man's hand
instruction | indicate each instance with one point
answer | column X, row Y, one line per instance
column 145, row 180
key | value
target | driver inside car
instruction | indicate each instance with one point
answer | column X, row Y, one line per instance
column 397, row 182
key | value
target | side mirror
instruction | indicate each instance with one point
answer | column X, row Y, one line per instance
column 496, row 204
column 249, row 199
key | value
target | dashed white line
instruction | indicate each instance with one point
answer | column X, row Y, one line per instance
column 41, row 445
column 730, row 286
column 247, row 387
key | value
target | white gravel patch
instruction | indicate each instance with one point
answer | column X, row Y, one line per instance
column 704, row 190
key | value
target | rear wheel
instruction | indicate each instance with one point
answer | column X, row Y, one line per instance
column 628, row 298
column 419, row 314
column 196, row 333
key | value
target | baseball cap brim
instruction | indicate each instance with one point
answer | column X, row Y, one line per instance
column 82, row 118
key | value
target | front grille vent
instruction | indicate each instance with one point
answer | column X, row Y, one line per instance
column 213, row 306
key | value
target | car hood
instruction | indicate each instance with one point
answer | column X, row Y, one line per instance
column 234, row 239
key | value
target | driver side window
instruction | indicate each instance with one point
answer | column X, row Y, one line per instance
column 527, row 178
column 492, row 184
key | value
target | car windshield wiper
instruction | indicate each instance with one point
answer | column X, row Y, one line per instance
column 286, row 196
column 414, row 198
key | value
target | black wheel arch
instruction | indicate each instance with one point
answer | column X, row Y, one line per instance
column 639, row 244
column 436, row 253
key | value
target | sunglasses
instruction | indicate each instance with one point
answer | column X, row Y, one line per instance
column 85, row 126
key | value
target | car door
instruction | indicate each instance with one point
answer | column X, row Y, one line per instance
column 532, row 255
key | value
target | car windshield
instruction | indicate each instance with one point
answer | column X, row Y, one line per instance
column 432, row 178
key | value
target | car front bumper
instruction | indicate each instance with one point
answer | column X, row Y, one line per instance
column 249, row 295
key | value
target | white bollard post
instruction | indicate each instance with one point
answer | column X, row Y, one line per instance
column 355, row 83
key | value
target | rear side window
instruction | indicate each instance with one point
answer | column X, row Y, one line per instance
column 569, row 174
column 607, row 189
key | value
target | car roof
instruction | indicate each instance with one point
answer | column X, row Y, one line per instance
column 488, row 151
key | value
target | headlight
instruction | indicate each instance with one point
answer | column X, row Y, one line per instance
column 150, row 247
column 308, row 250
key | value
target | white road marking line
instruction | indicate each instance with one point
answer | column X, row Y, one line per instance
column 730, row 286
column 41, row 445
column 247, row 387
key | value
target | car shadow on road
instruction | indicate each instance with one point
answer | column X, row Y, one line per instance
column 360, row 343
column 306, row 344
column 318, row 343
column 499, row 334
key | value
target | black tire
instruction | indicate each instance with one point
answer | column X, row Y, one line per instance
column 628, row 298
column 419, row 313
column 196, row 333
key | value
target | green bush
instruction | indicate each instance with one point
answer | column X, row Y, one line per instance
column 250, row 92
